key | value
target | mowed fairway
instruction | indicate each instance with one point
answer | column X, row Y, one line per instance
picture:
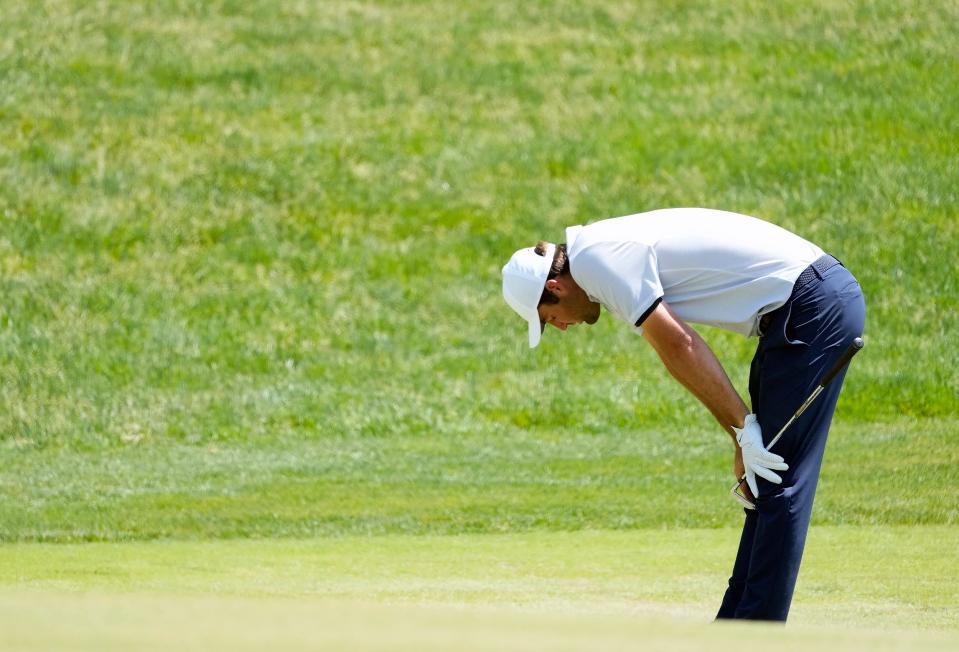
column 97, row 622
column 558, row 590
column 258, row 386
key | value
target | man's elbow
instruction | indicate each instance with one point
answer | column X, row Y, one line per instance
column 669, row 334
column 680, row 345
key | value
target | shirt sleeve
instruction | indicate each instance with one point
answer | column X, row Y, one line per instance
column 622, row 276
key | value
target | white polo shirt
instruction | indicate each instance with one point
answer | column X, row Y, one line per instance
column 712, row 267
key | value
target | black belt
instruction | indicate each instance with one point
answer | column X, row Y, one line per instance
column 814, row 271
column 810, row 274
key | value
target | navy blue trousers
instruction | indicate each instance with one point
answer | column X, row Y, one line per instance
column 801, row 340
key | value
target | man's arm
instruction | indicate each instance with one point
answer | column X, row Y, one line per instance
column 690, row 361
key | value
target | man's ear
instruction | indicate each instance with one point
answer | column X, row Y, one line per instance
column 558, row 288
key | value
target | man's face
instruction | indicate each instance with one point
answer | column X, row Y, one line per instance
column 574, row 306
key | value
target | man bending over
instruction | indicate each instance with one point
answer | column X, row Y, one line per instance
column 659, row 270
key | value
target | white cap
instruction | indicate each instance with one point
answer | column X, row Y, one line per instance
column 524, row 278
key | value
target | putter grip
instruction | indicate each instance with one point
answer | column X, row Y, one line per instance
column 853, row 349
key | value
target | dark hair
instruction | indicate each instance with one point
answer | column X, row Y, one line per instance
column 560, row 266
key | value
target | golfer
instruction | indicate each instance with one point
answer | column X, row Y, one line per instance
column 660, row 271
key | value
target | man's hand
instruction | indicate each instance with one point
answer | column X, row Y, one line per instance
column 756, row 459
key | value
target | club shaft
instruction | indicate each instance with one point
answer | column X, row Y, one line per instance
column 802, row 408
column 827, row 378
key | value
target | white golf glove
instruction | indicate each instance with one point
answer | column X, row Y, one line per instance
column 756, row 459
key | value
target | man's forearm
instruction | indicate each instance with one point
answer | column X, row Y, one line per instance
column 690, row 361
column 699, row 371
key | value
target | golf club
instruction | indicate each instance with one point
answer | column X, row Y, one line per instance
column 853, row 349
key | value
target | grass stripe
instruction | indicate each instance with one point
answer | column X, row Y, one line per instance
column 866, row 577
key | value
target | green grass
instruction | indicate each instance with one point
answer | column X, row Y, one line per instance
column 109, row 622
column 892, row 578
column 253, row 222
column 249, row 287
column 564, row 480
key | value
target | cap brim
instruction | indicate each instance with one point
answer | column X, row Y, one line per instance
column 524, row 277
column 535, row 330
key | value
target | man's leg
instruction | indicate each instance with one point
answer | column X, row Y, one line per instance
column 782, row 521
column 801, row 344
column 737, row 581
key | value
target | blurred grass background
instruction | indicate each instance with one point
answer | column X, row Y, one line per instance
column 250, row 252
